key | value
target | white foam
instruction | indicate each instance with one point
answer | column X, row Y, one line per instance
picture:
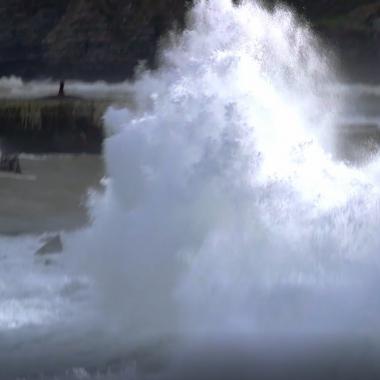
column 224, row 209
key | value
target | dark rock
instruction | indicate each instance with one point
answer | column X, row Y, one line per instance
column 106, row 39
column 82, row 39
column 51, row 245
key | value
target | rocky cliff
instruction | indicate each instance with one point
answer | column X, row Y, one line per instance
column 105, row 39
column 82, row 39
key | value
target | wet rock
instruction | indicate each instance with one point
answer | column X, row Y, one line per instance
column 51, row 245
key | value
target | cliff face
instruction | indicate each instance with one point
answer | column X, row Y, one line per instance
column 105, row 39
column 82, row 39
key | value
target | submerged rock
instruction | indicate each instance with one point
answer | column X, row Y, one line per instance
column 10, row 163
column 51, row 245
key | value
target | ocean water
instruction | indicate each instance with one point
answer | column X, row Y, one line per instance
column 52, row 195
column 236, row 231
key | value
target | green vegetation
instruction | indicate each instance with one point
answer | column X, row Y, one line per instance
column 39, row 114
column 69, row 125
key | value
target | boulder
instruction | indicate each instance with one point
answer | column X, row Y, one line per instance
column 51, row 245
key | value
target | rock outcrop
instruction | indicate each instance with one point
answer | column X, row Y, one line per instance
column 82, row 39
column 67, row 125
column 50, row 245
column 105, row 39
